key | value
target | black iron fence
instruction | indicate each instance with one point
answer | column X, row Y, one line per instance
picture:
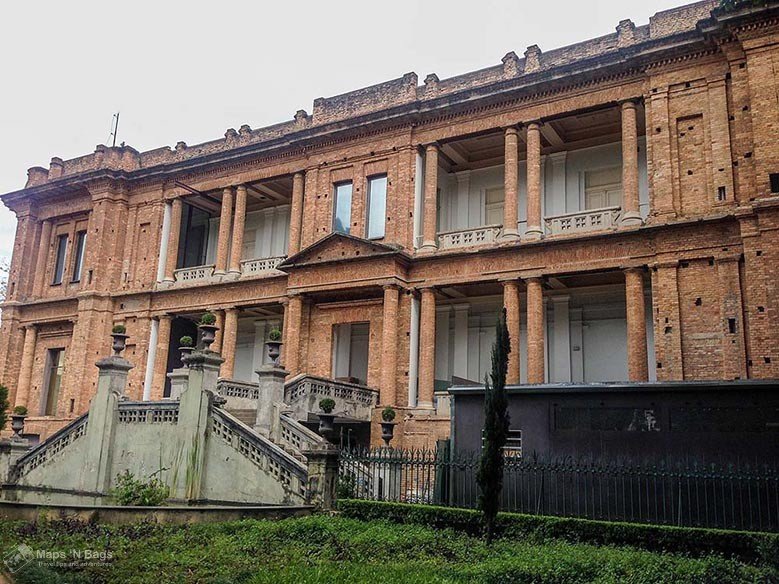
column 687, row 493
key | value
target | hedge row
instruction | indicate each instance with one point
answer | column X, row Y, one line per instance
column 751, row 547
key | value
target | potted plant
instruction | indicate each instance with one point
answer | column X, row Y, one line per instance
column 326, row 417
column 207, row 329
column 387, row 424
column 118, row 332
column 17, row 420
column 274, row 344
column 186, row 346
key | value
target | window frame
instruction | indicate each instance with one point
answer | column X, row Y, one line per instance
column 60, row 257
column 337, row 186
column 78, row 259
column 51, row 368
column 368, row 205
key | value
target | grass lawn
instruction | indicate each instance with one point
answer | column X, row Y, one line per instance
column 335, row 549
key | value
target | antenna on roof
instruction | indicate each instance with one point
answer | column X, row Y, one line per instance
column 114, row 129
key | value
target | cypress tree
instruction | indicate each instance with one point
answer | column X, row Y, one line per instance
column 496, row 428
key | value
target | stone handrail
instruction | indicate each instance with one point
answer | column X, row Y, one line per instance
column 260, row 265
column 296, row 435
column 261, row 451
column 234, row 388
column 303, row 385
column 582, row 221
column 52, row 446
column 194, row 274
column 164, row 412
column 468, row 237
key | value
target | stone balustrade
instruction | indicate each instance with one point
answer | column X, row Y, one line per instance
column 583, row 221
column 148, row 412
column 195, row 274
column 352, row 400
column 297, row 436
column 232, row 388
column 260, row 265
column 49, row 449
column 468, row 237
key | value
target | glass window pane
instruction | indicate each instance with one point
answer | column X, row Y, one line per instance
column 377, row 206
column 56, row 365
column 59, row 264
column 343, row 207
column 78, row 263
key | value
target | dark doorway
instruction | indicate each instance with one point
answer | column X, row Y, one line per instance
column 179, row 327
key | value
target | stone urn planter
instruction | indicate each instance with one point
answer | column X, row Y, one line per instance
column 326, row 417
column 208, row 330
column 185, row 348
column 120, row 338
column 17, row 421
column 388, row 424
column 273, row 345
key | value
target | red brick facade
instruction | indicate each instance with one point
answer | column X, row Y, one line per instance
column 697, row 86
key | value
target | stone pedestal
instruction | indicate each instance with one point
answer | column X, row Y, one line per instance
column 271, row 382
column 322, row 476
column 179, row 379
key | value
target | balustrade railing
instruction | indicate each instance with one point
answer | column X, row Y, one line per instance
column 296, row 435
column 306, row 385
column 583, row 221
column 260, row 265
column 148, row 412
column 195, row 274
column 49, row 449
column 239, row 389
column 262, row 452
column 468, row 237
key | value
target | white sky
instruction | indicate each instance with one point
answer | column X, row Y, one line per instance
column 188, row 70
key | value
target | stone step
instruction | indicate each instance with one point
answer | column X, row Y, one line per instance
column 247, row 416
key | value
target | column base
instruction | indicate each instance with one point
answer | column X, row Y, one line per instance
column 533, row 233
column 425, row 406
column 232, row 275
column 509, row 236
column 428, row 247
column 630, row 219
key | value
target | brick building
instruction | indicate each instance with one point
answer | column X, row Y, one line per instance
column 620, row 197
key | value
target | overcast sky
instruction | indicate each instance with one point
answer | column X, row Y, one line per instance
column 189, row 70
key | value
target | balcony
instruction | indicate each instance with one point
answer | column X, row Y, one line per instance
column 469, row 237
column 195, row 274
column 582, row 221
column 260, row 266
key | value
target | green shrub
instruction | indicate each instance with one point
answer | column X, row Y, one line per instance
column 119, row 329
column 134, row 492
column 274, row 335
column 20, row 411
column 327, row 405
column 208, row 318
column 388, row 414
column 185, row 341
column 761, row 548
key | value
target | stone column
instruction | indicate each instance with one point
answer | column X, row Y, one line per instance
column 296, row 213
column 535, row 331
column 229, row 339
column 173, row 240
column 236, row 248
column 427, row 349
column 429, row 227
column 511, row 303
column 151, row 358
column 638, row 369
column 26, row 365
column 534, row 230
column 223, row 243
column 510, row 186
column 216, row 346
column 630, row 204
column 389, row 347
column 271, row 392
column 161, row 360
column 42, row 259
column 292, row 323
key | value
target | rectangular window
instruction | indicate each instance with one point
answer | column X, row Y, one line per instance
column 59, row 263
column 78, row 262
column 494, row 200
column 377, row 206
column 55, row 365
column 603, row 188
column 193, row 242
column 342, row 217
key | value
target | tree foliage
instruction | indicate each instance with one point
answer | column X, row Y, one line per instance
column 732, row 5
column 496, row 427
column 5, row 268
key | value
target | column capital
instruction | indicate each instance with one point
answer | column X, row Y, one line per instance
column 533, row 125
column 432, row 146
column 533, row 280
column 299, row 173
column 511, row 130
column 637, row 268
column 387, row 287
column 241, row 187
column 631, row 103
column 506, row 282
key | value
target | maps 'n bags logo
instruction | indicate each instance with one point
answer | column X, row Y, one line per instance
column 18, row 558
